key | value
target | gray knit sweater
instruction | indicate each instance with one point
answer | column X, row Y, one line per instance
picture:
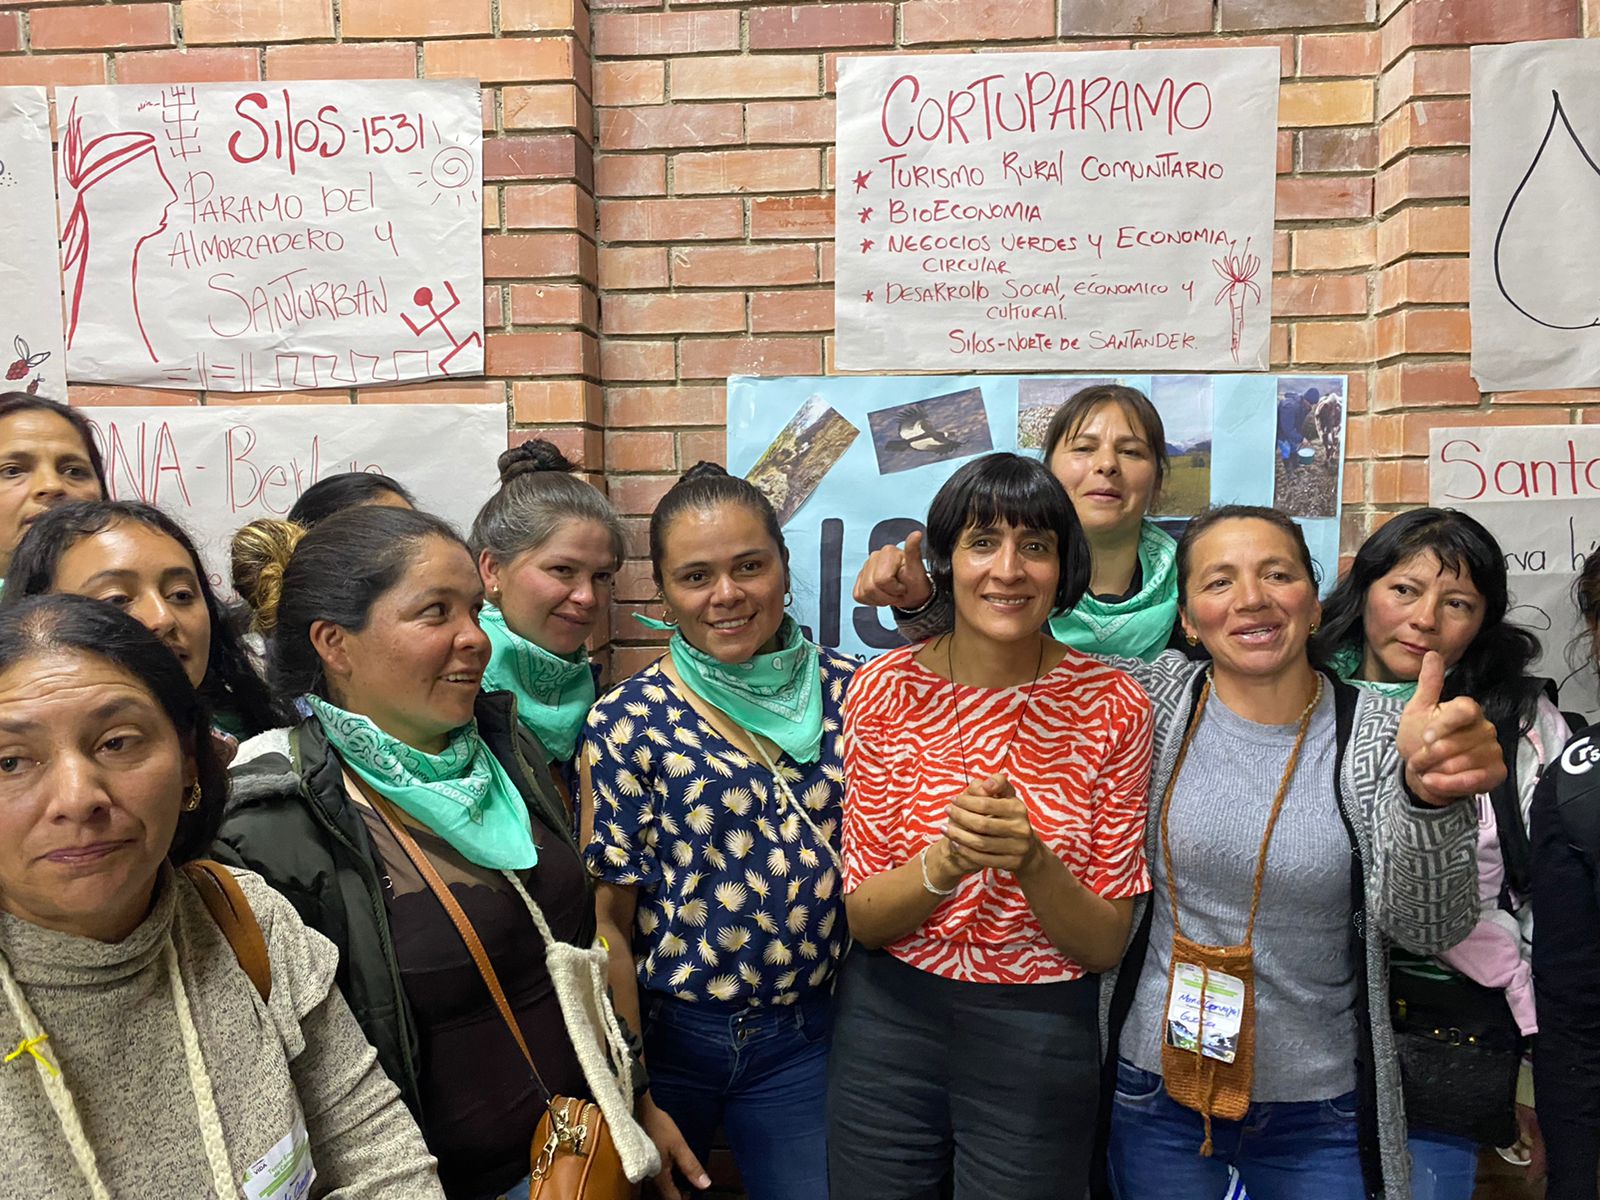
column 113, row 1031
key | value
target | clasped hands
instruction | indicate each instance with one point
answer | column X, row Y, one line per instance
column 988, row 829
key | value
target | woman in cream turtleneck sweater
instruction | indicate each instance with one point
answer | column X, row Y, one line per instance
column 138, row 1058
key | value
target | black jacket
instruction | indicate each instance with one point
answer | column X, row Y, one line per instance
column 290, row 821
column 1566, row 965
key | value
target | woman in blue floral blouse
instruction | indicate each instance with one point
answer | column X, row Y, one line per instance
column 712, row 793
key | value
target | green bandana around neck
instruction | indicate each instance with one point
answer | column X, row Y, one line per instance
column 554, row 694
column 464, row 795
column 1346, row 662
column 776, row 693
column 1138, row 627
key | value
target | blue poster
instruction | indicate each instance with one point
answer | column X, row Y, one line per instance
column 851, row 463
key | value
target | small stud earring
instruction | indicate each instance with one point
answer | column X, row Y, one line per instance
column 1191, row 639
column 191, row 798
column 1315, row 625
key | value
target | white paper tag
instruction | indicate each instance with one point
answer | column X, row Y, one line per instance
column 285, row 1172
column 1224, row 1011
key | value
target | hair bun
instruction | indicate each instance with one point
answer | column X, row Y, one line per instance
column 532, row 456
column 703, row 470
column 261, row 553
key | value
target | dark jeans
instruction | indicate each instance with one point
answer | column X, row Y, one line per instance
column 993, row 1084
column 760, row 1073
column 1288, row 1151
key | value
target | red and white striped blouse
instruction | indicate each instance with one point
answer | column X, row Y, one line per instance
column 1080, row 760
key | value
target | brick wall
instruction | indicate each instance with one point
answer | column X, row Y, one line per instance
column 658, row 206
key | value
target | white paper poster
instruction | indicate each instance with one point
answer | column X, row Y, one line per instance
column 1056, row 211
column 1536, row 215
column 30, row 329
column 217, row 467
column 245, row 237
column 1537, row 489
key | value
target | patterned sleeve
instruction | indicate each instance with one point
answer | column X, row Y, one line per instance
column 1117, row 866
column 623, row 848
column 866, row 803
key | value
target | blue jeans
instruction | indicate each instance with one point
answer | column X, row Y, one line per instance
column 1287, row 1151
column 760, row 1073
column 1443, row 1167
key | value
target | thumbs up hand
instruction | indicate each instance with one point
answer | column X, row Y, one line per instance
column 1449, row 749
column 895, row 576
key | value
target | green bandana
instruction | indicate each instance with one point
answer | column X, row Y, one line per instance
column 554, row 694
column 777, row 694
column 1346, row 661
column 464, row 795
column 1139, row 627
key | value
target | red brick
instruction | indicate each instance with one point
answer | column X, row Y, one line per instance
column 795, row 26
column 792, row 217
column 1302, row 199
column 634, row 407
column 669, row 125
column 1431, row 230
column 1424, row 331
column 721, row 77
column 618, row 83
column 556, row 401
column 625, row 267
column 702, row 445
column 630, row 175
column 1137, row 17
column 544, row 16
column 1334, row 249
column 87, row 395
column 494, row 314
column 791, row 312
column 1400, row 481
column 629, row 361
column 506, row 60
column 557, row 352
column 660, row 35
column 554, row 304
column 717, row 171
column 1424, row 73
column 743, row 266
column 413, row 18
column 691, row 312
column 549, row 206
column 537, row 256
column 101, row 26
column 810, row 122
column 1569, row 397
column 250, row 21
column 1425, row 124
column 52, row 70
column 1422, row 177
column 1339, row 54
column 1416, row 426
column 547, row 106
column 671, row 220
column 1454, row 23
column 1282, row 42
column 474, row 391
column 219, row 64
column 923, row 21
column 551, row 156
column 1423, row 281
column 364, row 60
column 1341, row 149
column 1319, row 295
column 1291, row 14
column 1333, row 342
column 1424, row 385
column 718, row 358
column 1325, row 102
column 640, row 450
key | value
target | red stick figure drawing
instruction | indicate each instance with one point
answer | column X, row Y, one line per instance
column 104, row 251
column 423, row 298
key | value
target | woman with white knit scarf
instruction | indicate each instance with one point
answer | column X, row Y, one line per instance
column 139, row 1057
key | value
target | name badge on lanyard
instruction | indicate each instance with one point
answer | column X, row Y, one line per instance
column 285, row 1172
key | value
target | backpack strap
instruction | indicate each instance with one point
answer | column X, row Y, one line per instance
column 226, row 902
column 1516, row 851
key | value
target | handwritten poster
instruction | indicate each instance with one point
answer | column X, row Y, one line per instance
column 217, row 467
column 852, row 464
column 1067, row 211
column 1536, row 215
column 253, row 237
column 1537, row 489
column 30, row 316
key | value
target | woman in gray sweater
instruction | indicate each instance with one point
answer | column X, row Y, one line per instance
column 139, row 1057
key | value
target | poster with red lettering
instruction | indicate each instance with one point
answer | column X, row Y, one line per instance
column 253, row 237
column 1106, row 210
column 30, row 317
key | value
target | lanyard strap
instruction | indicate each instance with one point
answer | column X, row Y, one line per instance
column 1272, row 817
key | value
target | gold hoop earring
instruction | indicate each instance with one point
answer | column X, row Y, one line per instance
column 191, row 798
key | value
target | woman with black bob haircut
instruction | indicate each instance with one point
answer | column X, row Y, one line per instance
column 47, row 457
column 136, row 557
column 993, row 848
column 344, row 491
column 405, row 785
column 1434, row 579
column 112, row 937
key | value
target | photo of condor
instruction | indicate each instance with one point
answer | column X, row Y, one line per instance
column 934, row 430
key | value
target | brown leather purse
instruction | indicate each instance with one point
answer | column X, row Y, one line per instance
column 572, row 1156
